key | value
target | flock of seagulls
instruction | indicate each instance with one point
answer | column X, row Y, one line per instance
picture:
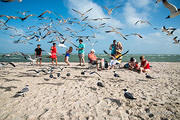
column 50, row 22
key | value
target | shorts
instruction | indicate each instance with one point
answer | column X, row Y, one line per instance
column 94, row 62
column 53, row 56
column 67, row 55
column 38, row 57
column 126, row 65
column 114, row 62
column 81, row 55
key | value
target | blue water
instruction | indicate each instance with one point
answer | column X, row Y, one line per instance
column 74, row 58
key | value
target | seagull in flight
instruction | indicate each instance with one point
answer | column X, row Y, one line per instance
column 169, row 30
column 5, row 64
column 82, row 14
column 136, row 34
column 47, row 11
column 172, row 8
column 9, row 17
column 142, row 21
column 114, row 30
column 110, row 10
column 175, row 40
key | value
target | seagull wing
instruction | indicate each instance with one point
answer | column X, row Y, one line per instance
column 77, row 11
column 121, row 35
column 170, row 6
column 12, row 64
column 175, row 39
column 88, row 11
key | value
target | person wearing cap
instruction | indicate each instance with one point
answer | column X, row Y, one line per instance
column 81, row 52
column 95, row 60
column 38, row 54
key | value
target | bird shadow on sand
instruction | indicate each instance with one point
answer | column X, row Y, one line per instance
column 143, row 80
column 7, row 88
column 57, row 84
column 78, row 68
column 26, row 75
column 116, row 81
column 76, row 79
column 114, row 101
column 9, row 80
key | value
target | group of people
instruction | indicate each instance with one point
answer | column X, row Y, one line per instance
column 53, row 56
column 116, row 57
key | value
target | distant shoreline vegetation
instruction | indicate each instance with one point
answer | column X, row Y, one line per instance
column 74, row 58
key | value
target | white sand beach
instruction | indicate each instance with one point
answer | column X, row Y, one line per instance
column 78, row 97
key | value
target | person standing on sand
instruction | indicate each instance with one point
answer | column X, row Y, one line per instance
column 68, row 52
column 119, row 48
column 145, row 67
column 113, row 48
column 38, row 54
column 53, row 53
column 81, row 52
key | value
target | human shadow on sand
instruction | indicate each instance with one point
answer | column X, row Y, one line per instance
column 58, row 84
column 7, row 88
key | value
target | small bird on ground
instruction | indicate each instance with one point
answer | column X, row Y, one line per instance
column 128, row 95
column 21, row 93
column 58, row 74
column 100, row 84
column 149, row 77
column 115, row 74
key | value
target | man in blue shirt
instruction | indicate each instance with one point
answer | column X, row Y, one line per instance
column 81, row 52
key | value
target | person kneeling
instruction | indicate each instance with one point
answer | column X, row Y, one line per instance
column 145, row 67
column 95, row 60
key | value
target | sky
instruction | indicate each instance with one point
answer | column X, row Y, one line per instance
column 124, row 17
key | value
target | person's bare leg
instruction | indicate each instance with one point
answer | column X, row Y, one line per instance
column 52, row 61
column 40, row 62
column 37, row 62
column 83, row 60
column 80, row 59
column 66, row 60
column 56, row 61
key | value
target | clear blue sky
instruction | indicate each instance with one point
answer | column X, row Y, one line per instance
column 153, row 42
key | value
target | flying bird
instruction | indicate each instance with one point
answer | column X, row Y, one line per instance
column 136, row 34
column 8, row 17
column 25, row 17
column 94, row 72
column 82, row 14
column 47, row 11
column 5, row 64
column 117, row 32
column 169, row 31
column 175, row 40
column 172, row 8
column 142, row 22
column 110, row 10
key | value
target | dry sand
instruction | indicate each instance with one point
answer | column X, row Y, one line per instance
column 78, row 97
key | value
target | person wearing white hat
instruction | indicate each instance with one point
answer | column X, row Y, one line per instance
column 95, row 60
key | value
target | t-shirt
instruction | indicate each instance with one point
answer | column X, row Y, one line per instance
column 38, row 51
column 81, row 51
column 113, row 51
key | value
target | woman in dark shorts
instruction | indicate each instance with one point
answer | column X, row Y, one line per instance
column 38, row 54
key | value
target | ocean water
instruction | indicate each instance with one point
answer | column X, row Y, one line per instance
column 74, row 58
